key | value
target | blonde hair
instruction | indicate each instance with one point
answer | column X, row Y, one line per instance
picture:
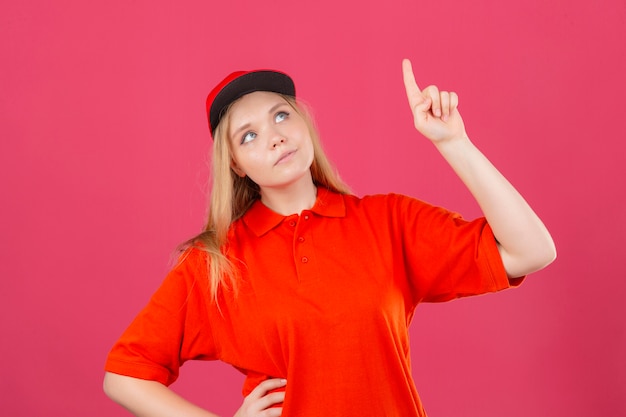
column 232, row 195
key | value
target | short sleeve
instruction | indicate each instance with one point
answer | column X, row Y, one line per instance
column 171, row 329
column 446, row 256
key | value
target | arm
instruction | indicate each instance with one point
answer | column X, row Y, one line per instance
column 524, row 242
column 152, row 399
column 173, row 328
column 149, row 398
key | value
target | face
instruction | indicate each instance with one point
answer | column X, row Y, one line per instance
column 270, row 142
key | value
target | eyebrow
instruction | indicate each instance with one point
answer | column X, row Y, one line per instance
column 247, row 125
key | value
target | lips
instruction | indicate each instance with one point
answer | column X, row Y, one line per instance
column 285, row 157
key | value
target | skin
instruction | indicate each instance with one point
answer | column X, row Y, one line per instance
column 275, row 150
column 271, row 144
column 524, row 243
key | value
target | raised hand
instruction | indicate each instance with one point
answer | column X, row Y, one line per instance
column 260, row 401
column 435, row 112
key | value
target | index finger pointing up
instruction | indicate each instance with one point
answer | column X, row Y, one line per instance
column 413, row 92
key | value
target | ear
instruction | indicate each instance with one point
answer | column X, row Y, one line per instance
column 235, row 167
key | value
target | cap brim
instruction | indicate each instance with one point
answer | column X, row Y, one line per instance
column 264, row 80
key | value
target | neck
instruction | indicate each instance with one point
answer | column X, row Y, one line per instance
column 291, row 199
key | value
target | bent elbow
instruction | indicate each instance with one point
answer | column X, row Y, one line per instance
column 521, row 264
column 544, row 257
column 548, row 253
column 552, row 256
column 544, row 254
column 107, row 386
column 111, row 386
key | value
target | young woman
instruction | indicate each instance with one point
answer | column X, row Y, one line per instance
column 305, row 288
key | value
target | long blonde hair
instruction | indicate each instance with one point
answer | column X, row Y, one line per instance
column 232, row 195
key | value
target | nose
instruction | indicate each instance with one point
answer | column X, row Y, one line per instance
column 277, row 140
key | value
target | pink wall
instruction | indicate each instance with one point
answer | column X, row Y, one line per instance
column 102, row 173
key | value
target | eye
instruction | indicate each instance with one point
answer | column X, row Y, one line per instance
column 248, row 137
column 280, row 116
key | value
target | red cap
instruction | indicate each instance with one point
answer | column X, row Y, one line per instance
column 240, row 83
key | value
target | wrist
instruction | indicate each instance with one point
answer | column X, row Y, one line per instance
column 457, row 145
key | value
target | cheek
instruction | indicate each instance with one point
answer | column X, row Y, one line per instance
column 311, row 154
column 249, row 161
column 308, row 143
column 301, row 131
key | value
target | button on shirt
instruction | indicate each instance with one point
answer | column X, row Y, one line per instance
column 324, row 299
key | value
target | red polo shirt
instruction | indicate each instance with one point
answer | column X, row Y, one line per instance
column 325, row 301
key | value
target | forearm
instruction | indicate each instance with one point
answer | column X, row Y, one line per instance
column 524, row 242
column 149, row 398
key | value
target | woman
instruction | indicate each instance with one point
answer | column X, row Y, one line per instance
column 305, row 288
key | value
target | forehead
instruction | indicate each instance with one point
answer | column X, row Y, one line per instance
column 258, row 101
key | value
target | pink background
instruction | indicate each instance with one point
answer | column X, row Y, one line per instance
column 103, row 172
